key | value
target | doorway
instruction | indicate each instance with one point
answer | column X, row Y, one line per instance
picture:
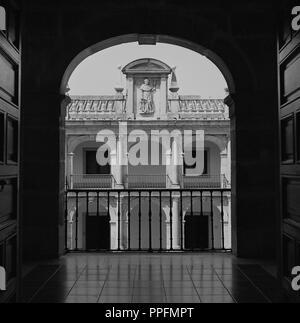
column 97, row 231
column 196, row 232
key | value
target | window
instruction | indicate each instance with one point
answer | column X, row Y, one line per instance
column 2, row 254
column 298, row 136
column 13, row 26
column 2, row 18
column 205, row 170
column 287, row 140
column 2, row 138
column 12, row 140
column 10, row 23
column 91, row 165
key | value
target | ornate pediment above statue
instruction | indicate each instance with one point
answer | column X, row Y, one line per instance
column 147, row 87
column 147, row 66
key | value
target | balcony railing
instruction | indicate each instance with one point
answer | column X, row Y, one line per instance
column 88, row 181
column 148, row 220
column 195, row 107
column 205, row 181
column 85, row 108
column 148, row 181
column 96, row 108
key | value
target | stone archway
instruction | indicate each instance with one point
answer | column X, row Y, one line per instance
column 160, row 39
column 82, row 28
column 129, row 38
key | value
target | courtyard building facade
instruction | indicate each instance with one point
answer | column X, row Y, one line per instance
column 153, row 132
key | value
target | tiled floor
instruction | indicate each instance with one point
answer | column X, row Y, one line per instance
column 140, row 278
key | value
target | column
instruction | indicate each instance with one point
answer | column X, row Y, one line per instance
column 176, row 162
column 114, row 167
column 71, row 169
column 119, row 163
column 181, row 170
column 169, row 168
column 176, row 224
column 224, row 167
column 118, row 167
column 228, row 243
column 163, row 97
column 229, row 161
column 174, row 104
column 123, row 153
column 130, row 97
column 113, row 224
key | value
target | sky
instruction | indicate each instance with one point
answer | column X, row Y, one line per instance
column 99, row 74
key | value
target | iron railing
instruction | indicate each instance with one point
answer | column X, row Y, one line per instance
column 161, row 220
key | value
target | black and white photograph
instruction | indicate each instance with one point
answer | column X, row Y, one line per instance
column 149, row 154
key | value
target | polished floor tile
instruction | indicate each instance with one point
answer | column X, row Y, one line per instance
column 116, row 292
column 119, row 284
column 180, row 284
column 148, row 291
column 143, row 278
column 85, row 292
column 181, row 291
column 212, row 291
column 208, row 284
column 89, row 284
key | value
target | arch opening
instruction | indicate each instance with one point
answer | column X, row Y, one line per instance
column 84, row 111
column 133, row 38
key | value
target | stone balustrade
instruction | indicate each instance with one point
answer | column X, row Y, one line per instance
column 114, row 107
column 187, row 107
column 95, row 108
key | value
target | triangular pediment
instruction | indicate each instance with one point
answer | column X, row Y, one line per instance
column 147, row 65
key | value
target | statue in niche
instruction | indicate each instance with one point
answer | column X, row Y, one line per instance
column 147, row 103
